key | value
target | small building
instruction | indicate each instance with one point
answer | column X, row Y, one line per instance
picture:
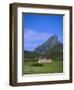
column 44, row 60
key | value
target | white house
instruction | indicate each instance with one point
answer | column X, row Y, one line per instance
column 44, row 60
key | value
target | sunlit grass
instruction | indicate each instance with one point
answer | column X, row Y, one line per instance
column 33, row 67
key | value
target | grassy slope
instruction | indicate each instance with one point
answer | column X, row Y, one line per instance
column 53, row 67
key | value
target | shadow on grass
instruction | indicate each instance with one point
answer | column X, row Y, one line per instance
column 37, row 65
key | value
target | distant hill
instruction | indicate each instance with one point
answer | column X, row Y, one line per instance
column 52, row 48
column 51, row 43
column 29, row 55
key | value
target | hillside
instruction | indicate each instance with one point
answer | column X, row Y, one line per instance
column 52, row 48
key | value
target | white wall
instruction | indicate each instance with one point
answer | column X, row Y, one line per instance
column 4, row 47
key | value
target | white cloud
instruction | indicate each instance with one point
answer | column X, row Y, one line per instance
column 33, row 38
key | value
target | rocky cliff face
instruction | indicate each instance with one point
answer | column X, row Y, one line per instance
column 50, row 44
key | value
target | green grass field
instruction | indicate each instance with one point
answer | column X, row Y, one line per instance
column 33, row 67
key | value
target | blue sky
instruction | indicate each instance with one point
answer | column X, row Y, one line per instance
column 38, row 28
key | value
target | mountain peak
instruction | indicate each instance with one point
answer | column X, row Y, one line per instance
column 54, row 37
column 53, row 40
column 49, row 44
